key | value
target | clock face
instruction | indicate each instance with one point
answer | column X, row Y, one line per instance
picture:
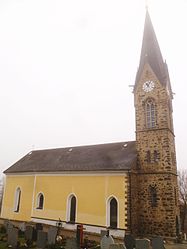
column 148, row 86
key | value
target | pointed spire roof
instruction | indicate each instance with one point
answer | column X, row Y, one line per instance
column 151, row 53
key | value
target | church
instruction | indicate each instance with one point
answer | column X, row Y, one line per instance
column 126, row 187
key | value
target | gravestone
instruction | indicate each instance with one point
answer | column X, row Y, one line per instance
column 106, row 241
column 28, row 233
column 129, row 241
column 142, row 244
column 12, row 237
column 52, row 233
column 157, row 243
column 103, row 233
column 22, row 226
column 71, row 244
column 34, row 234
column 9, row 229
column 9, row 226
column 41, row 239
column 6, row 225
column 39, row 226
column 117, row 246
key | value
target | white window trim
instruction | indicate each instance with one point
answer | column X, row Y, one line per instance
column 108, row 210
column 38, row 201
column 17, row 199
column 150, row 114
column 68, row 206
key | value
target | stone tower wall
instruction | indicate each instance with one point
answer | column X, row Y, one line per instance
column 155, row 213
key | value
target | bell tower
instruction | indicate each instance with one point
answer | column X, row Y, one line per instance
column 156, row 198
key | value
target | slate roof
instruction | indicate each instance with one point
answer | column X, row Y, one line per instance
column 151, row 53
column 103, row 157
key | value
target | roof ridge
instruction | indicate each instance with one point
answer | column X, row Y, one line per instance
column 81, row 146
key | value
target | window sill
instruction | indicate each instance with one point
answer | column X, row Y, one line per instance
column 71, row 222
column 112, row 228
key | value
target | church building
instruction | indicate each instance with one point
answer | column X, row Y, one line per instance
column 124, row 187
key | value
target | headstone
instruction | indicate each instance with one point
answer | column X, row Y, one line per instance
column 103, row 233
column 12, row 237
column 9, row 228
column 142, row 244
column 52, row 233
column 29, row 233
column 117, row 246
column 41, row 239
column 34, row 234
column 39, row 226
column 157, row 243
column 129, row 241
column 106, row 241
column 71, row 244
column 22, row 226
column 6, row 224
column 9, row 225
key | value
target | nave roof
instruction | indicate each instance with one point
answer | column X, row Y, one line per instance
column 102, row 157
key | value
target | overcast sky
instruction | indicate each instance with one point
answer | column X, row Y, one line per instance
column 66, row 67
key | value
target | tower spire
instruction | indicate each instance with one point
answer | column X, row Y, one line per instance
column 151, row 53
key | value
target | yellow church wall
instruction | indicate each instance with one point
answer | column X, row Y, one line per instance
column 91, row 192
column 25, row 183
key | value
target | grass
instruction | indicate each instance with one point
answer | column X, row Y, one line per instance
column 3, row 245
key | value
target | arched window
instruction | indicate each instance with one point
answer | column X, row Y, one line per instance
column 150, row 114
column 17, row 200
column 153, row 196
column 112, row 213
column 71, row 212
column 40, row 201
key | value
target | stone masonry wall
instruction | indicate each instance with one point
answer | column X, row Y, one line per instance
column 155, row 185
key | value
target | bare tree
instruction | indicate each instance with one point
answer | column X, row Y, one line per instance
column 182, row 180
